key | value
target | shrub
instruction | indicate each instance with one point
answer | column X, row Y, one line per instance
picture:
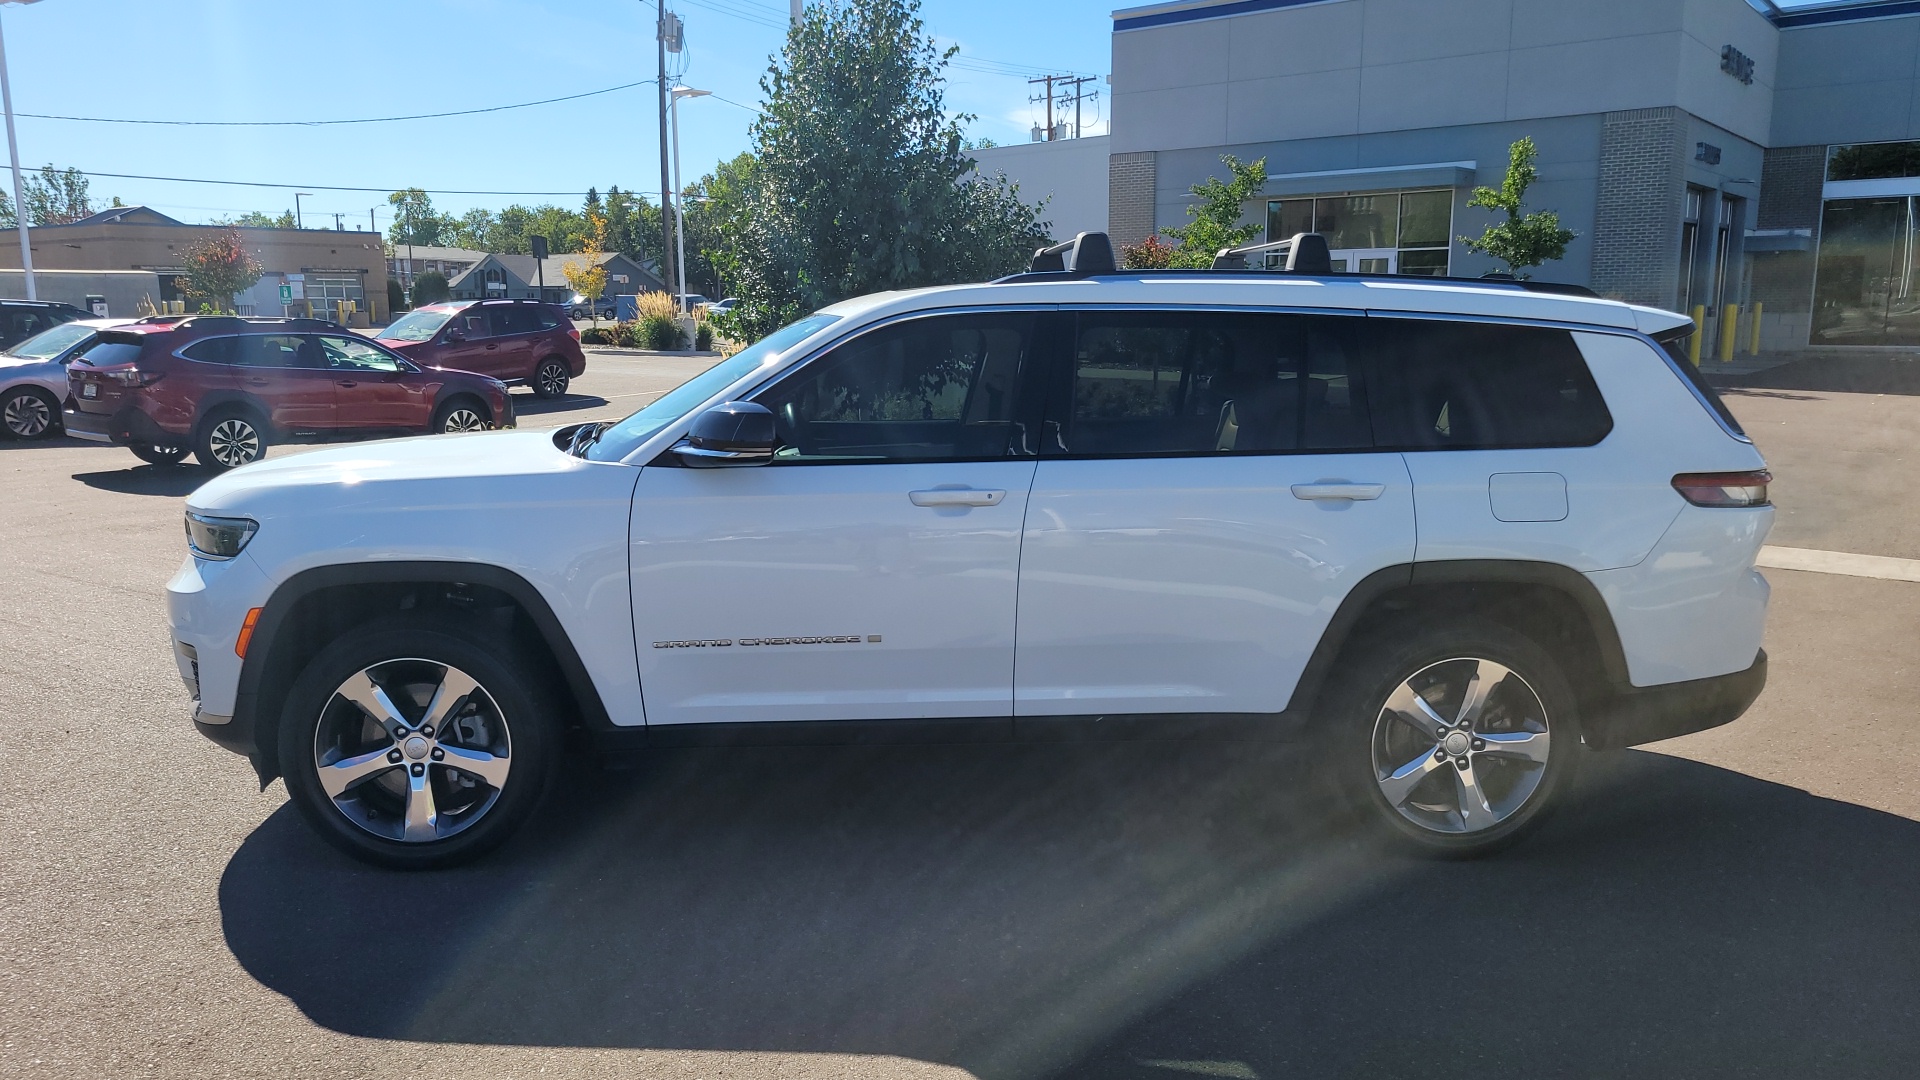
column 430, row 288
column 596, row 335
column 660, row 332
column 703, row 336
column 396, row 296
column 1148, row 254
column 655, row 304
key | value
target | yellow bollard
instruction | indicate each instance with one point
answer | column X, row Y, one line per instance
column 1753, row 338
column 1729, row 331
column 1699, row 332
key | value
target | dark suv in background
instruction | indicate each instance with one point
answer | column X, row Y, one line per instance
column 515, row 341
column 225, row 387
column 21, row 319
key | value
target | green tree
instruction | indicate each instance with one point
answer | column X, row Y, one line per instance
column 429, row 288
column 1520, row 240
column 1217, row 212
column 718, row 208
column 396, row 296
column 219, row 267
column 414, row 221
column 255, row 219
column 472, row 230
column 53, row 197
column 859, row 182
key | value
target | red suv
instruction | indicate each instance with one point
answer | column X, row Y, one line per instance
column 225, row 387
column 515, row 341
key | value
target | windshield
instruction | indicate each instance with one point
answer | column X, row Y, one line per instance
column 619, row 440
column 416, row 326
column 52, row 342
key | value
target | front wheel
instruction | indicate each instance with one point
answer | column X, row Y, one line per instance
column 27, row 413
column 551, row 378
column 1455, row 739
column 228, row 440
column 460, row 415
column 417, row 743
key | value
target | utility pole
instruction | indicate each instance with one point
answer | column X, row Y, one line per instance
column 1079, row 95
column 371, row 227
column 666, row 182
column 798, row 12
column 338, row 224
column 1064, row 81
column 1049, row 80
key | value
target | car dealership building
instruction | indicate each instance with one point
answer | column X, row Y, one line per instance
column 1705, row 152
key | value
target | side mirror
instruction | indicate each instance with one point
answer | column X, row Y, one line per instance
column 731, row 433
column 456, row 334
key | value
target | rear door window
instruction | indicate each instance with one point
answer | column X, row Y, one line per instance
column 277, row 351
column 514, row 319
column 1457, row 385
column 1176, row 382
column 217, row 350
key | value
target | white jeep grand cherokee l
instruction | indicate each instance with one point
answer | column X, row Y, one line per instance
column 1456, row 532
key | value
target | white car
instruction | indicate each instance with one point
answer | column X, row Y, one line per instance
column 1446, row 532
column 33, row 376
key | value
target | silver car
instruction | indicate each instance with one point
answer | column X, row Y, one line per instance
column 33, row 376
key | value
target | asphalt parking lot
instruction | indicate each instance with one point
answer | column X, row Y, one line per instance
column 1736, row 903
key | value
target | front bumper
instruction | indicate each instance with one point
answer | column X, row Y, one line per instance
column 1651, row 713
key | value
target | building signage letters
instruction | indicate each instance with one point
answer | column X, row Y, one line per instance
column 1737, row 64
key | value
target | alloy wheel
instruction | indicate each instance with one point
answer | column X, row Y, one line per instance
column 412, row 750
column 552, row 379
column 234, row 442
column 463, row 419
column 1461, row 746
column 27, row 415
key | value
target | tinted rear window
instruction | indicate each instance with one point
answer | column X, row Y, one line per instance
column 1444, row 385
column 108, row 353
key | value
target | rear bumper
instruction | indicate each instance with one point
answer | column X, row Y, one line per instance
column 1649, row 714
column 120, row 428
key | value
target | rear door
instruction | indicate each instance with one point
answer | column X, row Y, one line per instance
column 1207, row 494
column 514, row 328
column 288, row 375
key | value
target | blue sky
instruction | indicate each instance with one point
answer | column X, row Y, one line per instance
column 248, row 60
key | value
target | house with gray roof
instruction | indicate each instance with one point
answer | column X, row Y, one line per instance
column 523, row 277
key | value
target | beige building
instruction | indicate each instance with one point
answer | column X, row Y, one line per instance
column 320, row 268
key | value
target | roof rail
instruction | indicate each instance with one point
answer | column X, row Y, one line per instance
column 1302, row 253
column 1086, row 254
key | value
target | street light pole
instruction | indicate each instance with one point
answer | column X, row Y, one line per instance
column 13, row 153
column 679, row 196
column 299, row 220
column 666, row 226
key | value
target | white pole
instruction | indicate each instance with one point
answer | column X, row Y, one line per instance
column 679, row 209
column 797, row 13
column 19, row 189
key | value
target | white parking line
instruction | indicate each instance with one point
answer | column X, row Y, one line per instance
column 1839, row 562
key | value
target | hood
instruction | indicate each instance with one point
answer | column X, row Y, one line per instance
column 10, row 361
column 428, row 469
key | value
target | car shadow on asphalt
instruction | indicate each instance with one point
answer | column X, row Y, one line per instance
column 1118, row 910
column 173, row 481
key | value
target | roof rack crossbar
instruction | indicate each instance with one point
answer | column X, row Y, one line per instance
column 1301, row 253
column 1086, row 254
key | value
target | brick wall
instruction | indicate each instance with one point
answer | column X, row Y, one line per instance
column 1636, row 233
column 1130, row 188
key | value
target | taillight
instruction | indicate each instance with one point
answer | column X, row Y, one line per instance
column 1724, row 489
column 131, row 376
column 574, row 333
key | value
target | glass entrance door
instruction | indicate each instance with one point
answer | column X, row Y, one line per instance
column 1366, row 261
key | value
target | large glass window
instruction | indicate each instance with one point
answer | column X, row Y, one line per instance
column 1864, row 285
column 1444, row 385
column 1416, row 226
column 1873, row 161
column 1154, row 383
column 935, row 389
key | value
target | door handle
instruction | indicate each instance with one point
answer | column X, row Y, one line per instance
column 1330, row 490
column 348, row 383
column 956, row 497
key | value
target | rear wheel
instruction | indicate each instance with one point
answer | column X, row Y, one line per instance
column 551, row 378
column 155, row 454
column 1456, row 739
column 28, row 413
column 417, row 743
column 229, row 439
column 460, row 414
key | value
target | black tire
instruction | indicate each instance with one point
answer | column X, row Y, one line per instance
column 229, row 438
column 461, row 414
column 1372, row 754
column 156, row 454
column 551, row 378
column 28, row 412
column 513, row 704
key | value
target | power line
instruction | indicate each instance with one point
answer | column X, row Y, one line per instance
column 331, row 187
column 325, row 123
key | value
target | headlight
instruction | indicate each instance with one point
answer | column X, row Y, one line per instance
column 218, row 537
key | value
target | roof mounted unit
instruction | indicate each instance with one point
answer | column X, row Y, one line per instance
column 1086, row 254
column 1303, row 253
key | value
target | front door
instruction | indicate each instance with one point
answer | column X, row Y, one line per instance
column 466, row 343
column 869, row 571
column 369, row 390
column 1206, row 496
